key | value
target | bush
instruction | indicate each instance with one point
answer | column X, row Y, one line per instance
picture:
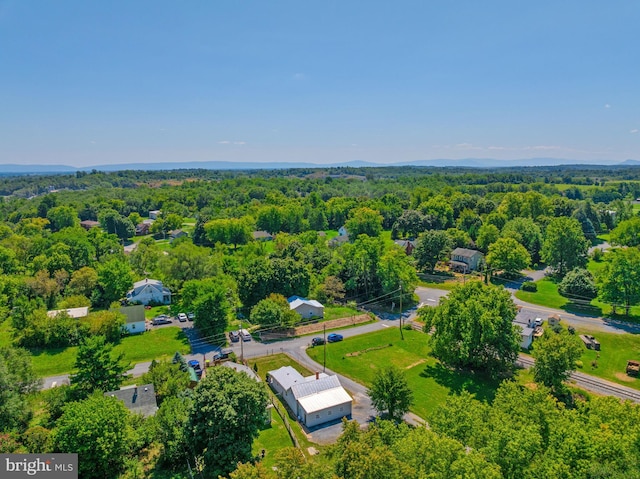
column 597, row 255
column 579, row 364
column 530, row 286
column 578, row 283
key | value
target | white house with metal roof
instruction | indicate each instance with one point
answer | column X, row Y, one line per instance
column 315, row 399
column 149, row 291
column 307, row 308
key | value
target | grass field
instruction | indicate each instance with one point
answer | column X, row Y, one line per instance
column 616, row 350
column 269, row 363
column 430, row 382
column 548, row 295
column 272, row 439
column 337, row 312
column 156, row 344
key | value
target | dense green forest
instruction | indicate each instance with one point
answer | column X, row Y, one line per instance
column 222, row 270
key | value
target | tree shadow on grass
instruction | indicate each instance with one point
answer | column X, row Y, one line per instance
column 480, row 385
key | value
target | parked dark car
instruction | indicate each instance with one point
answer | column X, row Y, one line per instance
column 191, row 316
column 234, row 336
column 317, row 341
column 334, row 338
column 220, row 355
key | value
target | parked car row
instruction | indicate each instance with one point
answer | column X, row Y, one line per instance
column 166, row 319
column 331, row 338
column 236, row 336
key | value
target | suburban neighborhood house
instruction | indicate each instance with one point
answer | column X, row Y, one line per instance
column 465, row 260
column 307, row 308
column 527, row 329
column 407, row 245
column 134, row 319
column 149, row 291
column 137, row 399
column 71, row 312
column 315, row 399
column 262, row 235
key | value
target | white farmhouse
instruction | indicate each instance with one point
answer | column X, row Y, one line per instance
column 307, row 308
column 315, row 399
column 149, row 291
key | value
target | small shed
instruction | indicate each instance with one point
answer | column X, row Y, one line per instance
column 554, row 319
column 153, row 214
column 526, row 336
column 88, row 224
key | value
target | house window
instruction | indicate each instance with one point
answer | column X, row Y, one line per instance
column 341, row 408
column 317, row 416
column 133, row 326
column 329, row 413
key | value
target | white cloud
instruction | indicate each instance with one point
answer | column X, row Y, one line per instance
column 224, row 142
column 606, row 105
column 299, row 76
column 239, row 142
column 635, row 130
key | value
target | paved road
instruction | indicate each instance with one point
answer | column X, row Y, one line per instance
column 363, row 410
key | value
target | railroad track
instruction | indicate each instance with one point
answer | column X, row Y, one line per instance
column 591, row 383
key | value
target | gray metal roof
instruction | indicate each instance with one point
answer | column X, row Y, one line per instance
column 314, row 386
column 138, row 399
column 286, row 376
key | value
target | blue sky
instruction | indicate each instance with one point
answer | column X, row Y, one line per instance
column 85, row 83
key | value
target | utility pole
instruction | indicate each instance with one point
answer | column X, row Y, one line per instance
column 324, row 361
column 241, row 344
column 401, row 332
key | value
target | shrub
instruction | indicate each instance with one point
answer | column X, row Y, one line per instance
column 530, row 286
column 579, row 364
column 578, row 283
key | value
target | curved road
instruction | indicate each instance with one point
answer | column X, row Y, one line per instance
column 296, row 347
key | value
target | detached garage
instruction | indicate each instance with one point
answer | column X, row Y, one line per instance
column 315, row 399
column 307, row 308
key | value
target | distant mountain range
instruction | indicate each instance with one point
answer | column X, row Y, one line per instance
column 229, row 165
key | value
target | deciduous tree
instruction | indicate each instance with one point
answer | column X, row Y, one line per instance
column 364, row 221
column 507, row 255
column 556, row 355
column 432, row 246
column 620, row 279
column 228, row 410
column 565, row 246
column 96, row 430
column 390, row 393
column 473, row 328
column 97, row 368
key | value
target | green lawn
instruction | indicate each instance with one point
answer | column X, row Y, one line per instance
column 337, row 312
column 269, row 363
column 615, row 351
column 272, row 439
column 155, row 311
column 548, row 295
column 430, row 382
column 156, row 344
